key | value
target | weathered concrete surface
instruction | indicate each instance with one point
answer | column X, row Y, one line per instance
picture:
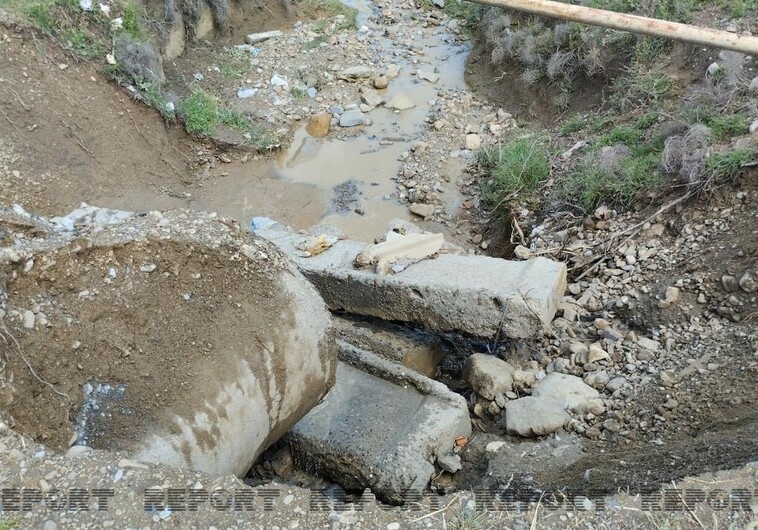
column 421, row 352
column 479, row 295
column 380, row 427
column 216, row 382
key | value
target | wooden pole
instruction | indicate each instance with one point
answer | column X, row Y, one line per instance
column 633, row 23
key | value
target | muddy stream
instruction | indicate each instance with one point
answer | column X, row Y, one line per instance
column 347, row 183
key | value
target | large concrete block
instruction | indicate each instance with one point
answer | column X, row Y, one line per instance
column 475, row 294
column 380, row 427
column 196, row 346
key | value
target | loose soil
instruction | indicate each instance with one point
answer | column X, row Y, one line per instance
column 148, row 317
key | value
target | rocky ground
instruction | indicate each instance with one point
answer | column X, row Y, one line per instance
column 657, row 328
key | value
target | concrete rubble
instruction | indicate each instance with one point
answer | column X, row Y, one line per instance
column 381, row 427
column 478, row 295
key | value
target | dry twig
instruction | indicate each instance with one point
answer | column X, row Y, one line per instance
column 4, row 330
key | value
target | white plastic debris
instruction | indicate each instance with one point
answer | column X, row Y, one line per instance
column 279, row 80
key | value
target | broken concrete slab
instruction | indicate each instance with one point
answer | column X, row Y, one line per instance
column 401, row 250
column 421, row 352
column 479, row 295
column 255, row 38
column 379, row 427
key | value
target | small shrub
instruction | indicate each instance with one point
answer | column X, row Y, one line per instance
column 40, row 13
column 131, row 23
column 642, row 86
column 520, row 165
column 153, row 95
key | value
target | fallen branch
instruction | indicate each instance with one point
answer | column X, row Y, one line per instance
column 435, row 512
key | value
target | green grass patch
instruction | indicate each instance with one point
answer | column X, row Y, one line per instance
column 725, row 127
column 234, row 71
column 725, row 167
column 622, row 134
column 573, row 124
column 315, row 43
column 589, row 185
column 739, row 8
column 330, row 9
column 202, row 113
column 646, row 121
column 83, row 45
column 10, row 523
column 523, row 165
column 298, row 92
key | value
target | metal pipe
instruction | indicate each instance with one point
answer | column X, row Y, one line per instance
column 633, row 23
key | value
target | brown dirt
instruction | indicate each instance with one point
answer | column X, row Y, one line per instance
column 129, row 329
column 532, row 102
column 74, row 136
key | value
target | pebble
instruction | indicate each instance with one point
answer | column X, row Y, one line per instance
column 494, row 447
column 612, row 425
column 422, row 210
column 730, row 283
column 648, row 344
column 352, row 118
column 473, row 142
column 522, row 253
column 28, row 319
column 450, row 462
column 748, row 282
column 615, row 384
